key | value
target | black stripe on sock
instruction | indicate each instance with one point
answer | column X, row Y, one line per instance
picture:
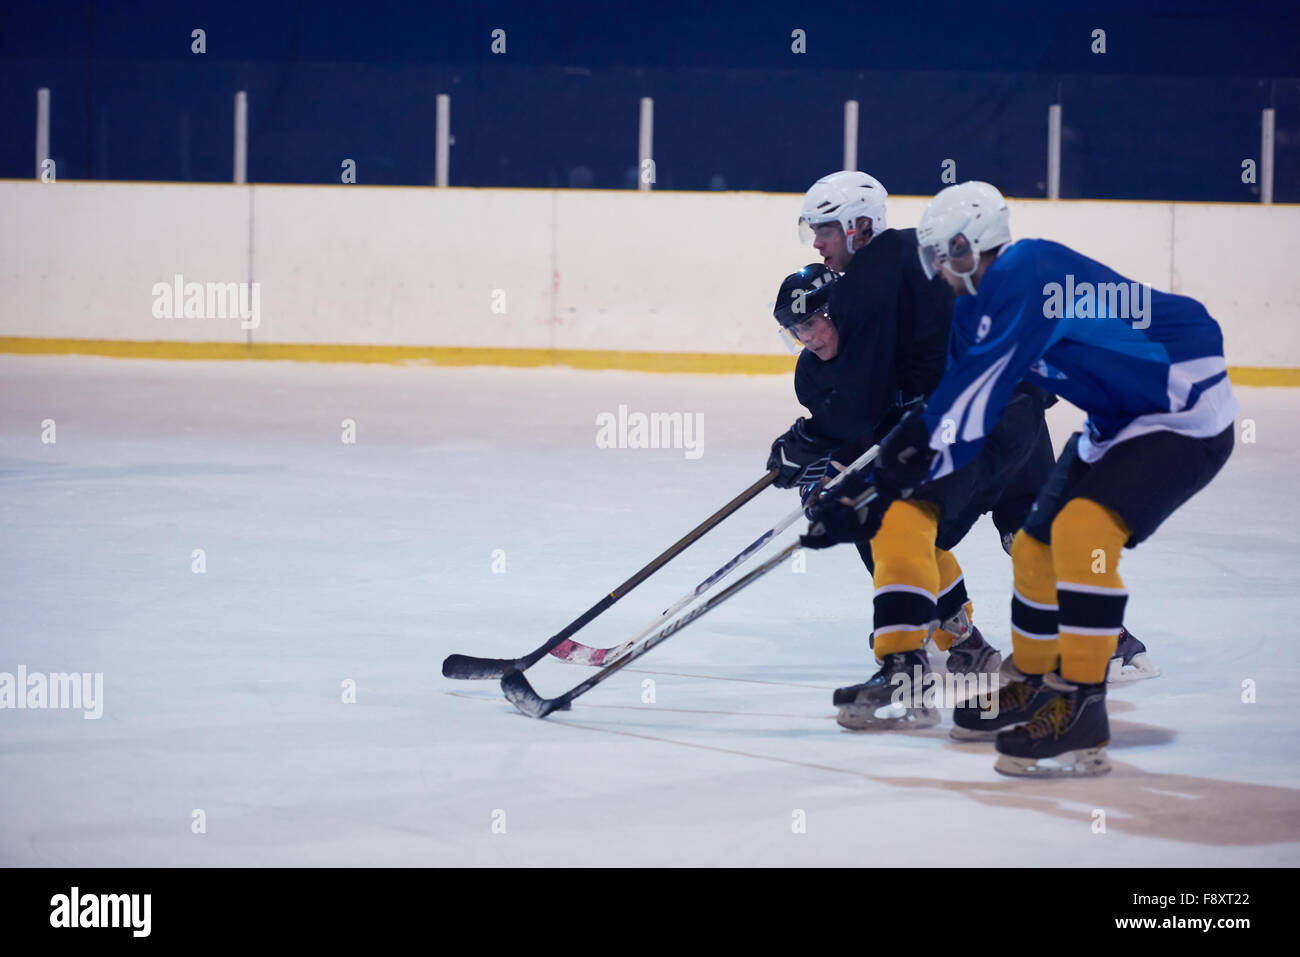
column 1086, row 610
column 903, row 608
column 1032, row 621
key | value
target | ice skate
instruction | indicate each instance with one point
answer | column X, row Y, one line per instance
column 1017, row 700
column 889, row 700
column 969, row 653
column 1131, row 661
column 1066, row 737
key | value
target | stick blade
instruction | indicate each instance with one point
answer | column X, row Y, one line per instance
column 467, row 667
column 522, row 696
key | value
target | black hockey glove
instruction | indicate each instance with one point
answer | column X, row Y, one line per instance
column 800, row 456
column 844, row 517
column 905, row 454
column 808, row 494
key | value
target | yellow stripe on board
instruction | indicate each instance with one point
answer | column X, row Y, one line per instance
column 711, row 363
column 698, row 362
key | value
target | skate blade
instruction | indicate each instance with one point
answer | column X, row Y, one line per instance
column 1084, row 763
column 889, row 718
column 966, row 734
column 1139, row 669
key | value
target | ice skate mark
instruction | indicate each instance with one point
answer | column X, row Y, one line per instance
column 720, row 750
column 563, row 722
column 757, row 681
column 71, row 473
column 1264, row 815
column 1130, row 734
column 661, row 708
column 729, row 714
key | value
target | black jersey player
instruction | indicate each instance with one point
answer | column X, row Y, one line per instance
column 875, row 341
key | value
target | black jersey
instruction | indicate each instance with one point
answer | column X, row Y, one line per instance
column 892, row 324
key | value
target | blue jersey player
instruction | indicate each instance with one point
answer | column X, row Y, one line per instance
column 1147, row 367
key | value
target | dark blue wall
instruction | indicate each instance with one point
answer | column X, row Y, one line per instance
column 1169, row 112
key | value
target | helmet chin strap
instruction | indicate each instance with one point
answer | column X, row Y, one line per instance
column 965, row 276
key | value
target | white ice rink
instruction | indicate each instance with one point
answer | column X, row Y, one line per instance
column 370, row 562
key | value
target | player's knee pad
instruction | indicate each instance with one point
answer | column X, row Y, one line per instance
column 907, row 576
column 903, row 548
column 1032, row 568
column 1087, row 539
column 1034, row 638
column 1086, row 542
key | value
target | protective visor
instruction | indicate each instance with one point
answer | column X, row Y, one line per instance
column 956, row 255
column 832, row 227
column 792, row 335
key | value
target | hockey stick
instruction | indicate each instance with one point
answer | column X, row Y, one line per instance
column 468, row 666
column 576, row 653
column 527, row 700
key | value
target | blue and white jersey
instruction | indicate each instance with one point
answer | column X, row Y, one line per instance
column 1136, row 360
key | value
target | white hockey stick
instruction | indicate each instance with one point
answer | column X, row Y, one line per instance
column 596, row 657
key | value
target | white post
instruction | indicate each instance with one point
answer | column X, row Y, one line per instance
column 42, row 128
column 850, row 134
column 241, row 137
column 442, row 140
column 645, row 148
column 1266, row 157
column 1054, row 151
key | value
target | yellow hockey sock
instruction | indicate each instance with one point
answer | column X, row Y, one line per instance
column 1034, row 643
column 1086, row 541
column 950, row 578
column 907, row 576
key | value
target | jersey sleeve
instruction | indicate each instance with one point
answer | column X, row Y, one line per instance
column 991, row 348
column 805, row 392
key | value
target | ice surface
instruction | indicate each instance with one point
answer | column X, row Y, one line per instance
column 370, row 562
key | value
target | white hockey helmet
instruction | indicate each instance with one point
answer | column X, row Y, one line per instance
column 841, row 198
column 961, row 222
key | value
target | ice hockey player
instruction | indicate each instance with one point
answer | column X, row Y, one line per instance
column 1147, row 367
column 875, row 341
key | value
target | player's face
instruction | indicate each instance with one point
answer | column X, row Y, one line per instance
column 961, row 257
column 818, row 335
column 829, row 241
column 956, row 283
column 954, row 263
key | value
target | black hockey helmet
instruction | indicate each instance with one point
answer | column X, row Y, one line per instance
column 803, row 294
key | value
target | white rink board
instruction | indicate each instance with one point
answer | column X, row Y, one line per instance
column 402, row 266
column 572, row 269
column 80, row 260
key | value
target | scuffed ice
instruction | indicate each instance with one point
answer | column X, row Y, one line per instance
column 475, row 513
